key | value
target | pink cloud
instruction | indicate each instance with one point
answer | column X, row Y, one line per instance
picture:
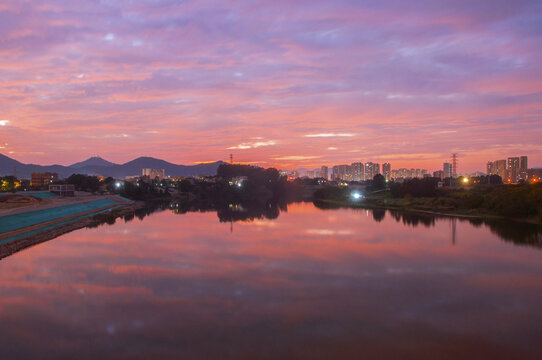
column 188, row 81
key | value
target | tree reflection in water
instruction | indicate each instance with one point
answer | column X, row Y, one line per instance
column 248, row 211
column 508, row 230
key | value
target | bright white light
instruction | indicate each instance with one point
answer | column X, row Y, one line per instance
column 117, row 185
column 239, row 184
column 356, row 195
column 4, row 123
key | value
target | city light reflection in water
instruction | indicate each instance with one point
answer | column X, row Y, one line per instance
column 309, row 283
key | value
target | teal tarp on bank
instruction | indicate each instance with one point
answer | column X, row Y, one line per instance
column 19, row 221
column 40, row 195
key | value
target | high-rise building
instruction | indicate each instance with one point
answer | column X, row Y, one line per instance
column 358, row 171
column 499, row 168
column 523, row 168
column 490, row 168
column 324, row 172
column 513, row 169
column 376, row 169
column 348, row 173
column 447, row 170
column 386, row 171
column 401, row 173
column 369, row 171
column 439, row 174
column 341, row 172
column 335, row 172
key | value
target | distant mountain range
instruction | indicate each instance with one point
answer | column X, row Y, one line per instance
column 98, row 166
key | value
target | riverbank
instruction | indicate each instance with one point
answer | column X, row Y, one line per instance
column 420, row 206
column 23, row 227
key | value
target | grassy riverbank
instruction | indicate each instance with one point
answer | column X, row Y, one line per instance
column 523, row 203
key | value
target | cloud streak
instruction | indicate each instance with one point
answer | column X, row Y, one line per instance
column 207, row 77
column 327, row 135
column 252, row 145
column 296, row 157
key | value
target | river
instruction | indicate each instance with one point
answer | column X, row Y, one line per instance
column 305, row 283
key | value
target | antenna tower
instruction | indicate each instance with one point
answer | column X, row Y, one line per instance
column 454, row 165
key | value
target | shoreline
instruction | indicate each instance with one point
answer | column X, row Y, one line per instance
column 63, row 226
column 482, row 216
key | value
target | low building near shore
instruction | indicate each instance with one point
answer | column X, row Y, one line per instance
column 43, row 179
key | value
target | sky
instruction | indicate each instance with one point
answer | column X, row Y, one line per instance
column 276, row 83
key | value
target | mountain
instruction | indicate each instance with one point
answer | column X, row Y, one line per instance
column 10, row 166
column 93, row 161
column 8, row 163
column 99, row 166
column 134, row 167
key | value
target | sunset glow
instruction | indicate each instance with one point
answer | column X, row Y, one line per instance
column 277, row 83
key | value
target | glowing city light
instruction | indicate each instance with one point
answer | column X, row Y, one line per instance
column 465, row 180
column 356, row 196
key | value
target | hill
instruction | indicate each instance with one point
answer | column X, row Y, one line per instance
column 93, row 161
column 99, row 166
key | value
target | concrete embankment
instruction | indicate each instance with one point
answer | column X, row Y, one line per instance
column 26, row 228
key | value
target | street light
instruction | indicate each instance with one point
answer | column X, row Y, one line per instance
column 356, row 196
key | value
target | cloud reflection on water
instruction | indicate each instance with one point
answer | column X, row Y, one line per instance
column 185, row 286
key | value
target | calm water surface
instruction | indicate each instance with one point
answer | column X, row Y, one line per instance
column 317, row 284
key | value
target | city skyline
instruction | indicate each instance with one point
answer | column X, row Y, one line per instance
column 511, row 170
column 284, row 85
column 497, row 167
